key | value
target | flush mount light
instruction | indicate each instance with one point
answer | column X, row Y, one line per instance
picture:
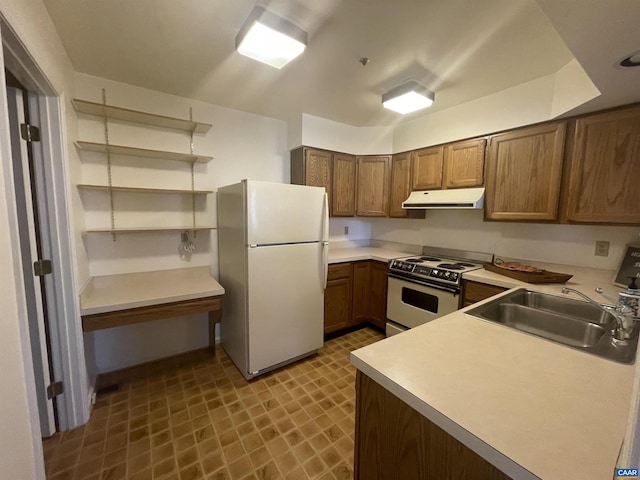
column 270, row 39
column 632, row 60
column 408, row 97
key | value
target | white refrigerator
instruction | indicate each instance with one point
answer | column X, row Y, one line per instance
column 272, row 255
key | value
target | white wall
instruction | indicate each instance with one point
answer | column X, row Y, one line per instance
column 531, row 102
column 465, row 229
column 322, row 133
column 243, row 146
column 514, row 107
column 358, row 229
column 20, row 443
column 572, row 87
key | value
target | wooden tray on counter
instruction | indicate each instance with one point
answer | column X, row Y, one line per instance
column 542, row 276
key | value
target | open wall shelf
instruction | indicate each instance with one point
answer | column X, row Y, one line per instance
column 135, row 116
column 110, row 112
column 113, row 188
column 149, row 229
column 141, row 152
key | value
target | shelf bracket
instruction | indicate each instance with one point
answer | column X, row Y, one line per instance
column 193, row 195
column 106, row 141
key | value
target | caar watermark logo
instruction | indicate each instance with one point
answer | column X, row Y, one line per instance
column 627, row 473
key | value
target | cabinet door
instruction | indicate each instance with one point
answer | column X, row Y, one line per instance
column 317, row 168
column 338, row 297
column 372, row 186
column 604, row 169
column 378, row 294
column 427, row 169
column 400, row 184
column 395, row 442
column 343, row 185
column 361, row 272
column 523, row 173
column 473, row 292
column 464, row 164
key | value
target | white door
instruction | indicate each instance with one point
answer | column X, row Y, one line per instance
column 29, row 252
column 286, row 303
column 282, row 213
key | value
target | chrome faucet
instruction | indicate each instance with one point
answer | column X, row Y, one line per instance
column 621, row 313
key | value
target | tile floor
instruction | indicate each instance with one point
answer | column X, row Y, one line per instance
column 195, row 417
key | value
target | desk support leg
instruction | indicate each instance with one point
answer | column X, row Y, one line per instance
column 214, row 317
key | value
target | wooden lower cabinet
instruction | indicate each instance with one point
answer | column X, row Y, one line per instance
column 338, row 297
column 473, row 292
column 378, row 294
column 356, row 293
column 361, row 275
column 395, row 442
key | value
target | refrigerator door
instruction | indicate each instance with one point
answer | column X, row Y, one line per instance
column 286, row 303
column 282, row 213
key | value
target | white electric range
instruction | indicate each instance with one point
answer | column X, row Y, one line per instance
column 424, row 287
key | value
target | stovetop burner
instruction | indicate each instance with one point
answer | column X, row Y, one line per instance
column 452, row 266
column 438, row 266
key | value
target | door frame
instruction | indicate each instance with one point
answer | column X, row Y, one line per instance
column 27, row 175
column 67, row 345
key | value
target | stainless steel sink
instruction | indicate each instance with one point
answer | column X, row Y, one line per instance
column 564, row 320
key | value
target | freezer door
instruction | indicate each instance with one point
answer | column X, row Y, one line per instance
column 286, row 303
column 282, row 213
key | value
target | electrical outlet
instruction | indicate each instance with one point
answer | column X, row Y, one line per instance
column 346, row 229
column 602, row 249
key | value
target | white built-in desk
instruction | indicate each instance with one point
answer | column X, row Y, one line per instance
column 118, row 300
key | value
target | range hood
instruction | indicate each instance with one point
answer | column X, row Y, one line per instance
column 457, row 198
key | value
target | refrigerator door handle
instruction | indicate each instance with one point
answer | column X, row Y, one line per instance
column 325, row 220
column 325, row 263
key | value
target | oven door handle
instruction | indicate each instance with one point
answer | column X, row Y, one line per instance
column 454, row 290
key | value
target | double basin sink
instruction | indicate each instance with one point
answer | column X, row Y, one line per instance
column 564, row 320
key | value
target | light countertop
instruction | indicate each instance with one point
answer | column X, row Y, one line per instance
column 353, row 254
column 531, row 407
column 584, row 279
column 119, row 292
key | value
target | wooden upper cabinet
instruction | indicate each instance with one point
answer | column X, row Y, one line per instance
column 373, row 178
column 604, row 168
column 464, row 164
column 400, row 184
column 343, row 185
column 427, row 169
column 312, row 167
column 523, row 173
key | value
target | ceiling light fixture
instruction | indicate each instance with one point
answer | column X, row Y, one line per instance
column 408, row 97
column 270, row 39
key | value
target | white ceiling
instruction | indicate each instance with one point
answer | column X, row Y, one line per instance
column 461, row 49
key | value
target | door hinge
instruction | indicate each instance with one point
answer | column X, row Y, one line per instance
column 29, row 132
column 42, row 268
column 54, row 390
